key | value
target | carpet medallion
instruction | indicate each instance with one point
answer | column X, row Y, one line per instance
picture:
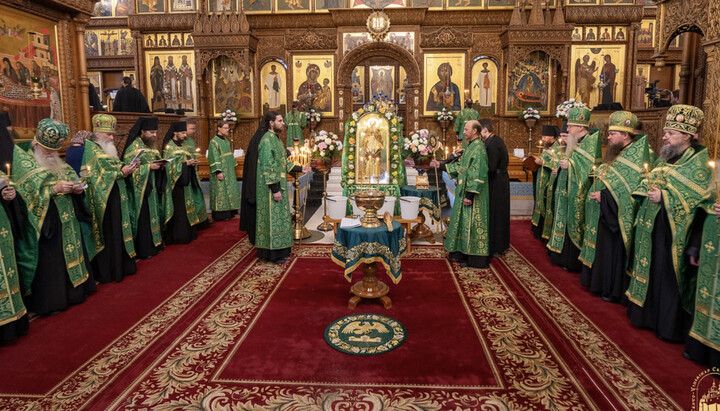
column 365, row 334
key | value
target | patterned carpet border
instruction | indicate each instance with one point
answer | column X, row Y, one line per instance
column 182, row 377
column 625, row 379
column 81, row 386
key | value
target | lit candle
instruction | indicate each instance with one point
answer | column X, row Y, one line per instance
column 197, row 152
column 594, row 178
column 446, row 152
column 717, row 185
column 7, row 165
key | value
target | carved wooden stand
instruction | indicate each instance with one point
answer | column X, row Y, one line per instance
column 421, row 230
column 369, row 288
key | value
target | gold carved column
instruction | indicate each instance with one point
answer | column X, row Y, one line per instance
column 83, row 118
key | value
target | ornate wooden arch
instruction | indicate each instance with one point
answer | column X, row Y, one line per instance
column 678, row 16
column 360, row 53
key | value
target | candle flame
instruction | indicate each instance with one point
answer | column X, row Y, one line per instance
column 711, row 164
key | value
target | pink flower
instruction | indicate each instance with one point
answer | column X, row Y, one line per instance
column 322, row 146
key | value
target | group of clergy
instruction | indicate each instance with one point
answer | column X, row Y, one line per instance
column 63, row 230
column 640, row 228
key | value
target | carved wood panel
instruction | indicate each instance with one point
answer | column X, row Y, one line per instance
column 680, row 15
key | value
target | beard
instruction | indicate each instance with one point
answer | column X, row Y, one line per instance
column 51, row 162
column 612, row 152
column 108, row 147
column 570, row 142
column 277, row 130
column 670, row 151
column 547, row 144
column 149, row 141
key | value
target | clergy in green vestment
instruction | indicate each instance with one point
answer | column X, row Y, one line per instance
column 610, row 209
column 295, row 121
column 224, row 192
column 195, row 187
column 583, row 151
column 273, row 230
column 703, row 346
column 549, row 144
column 143, row 186
column 557, row 153
column 662, row 287
column 180, row 216
column 467, row 238
column 13, row 314
column 53, row 195
column 111, row 248
column 465, row 115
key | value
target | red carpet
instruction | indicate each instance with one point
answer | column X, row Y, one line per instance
column 660, row 361
column 89, row 344
column 205, row 326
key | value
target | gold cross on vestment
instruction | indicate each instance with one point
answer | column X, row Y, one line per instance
column 4, row 232
column 709, row 247
column 65, row 215
column 704, row 292
column 69, row 248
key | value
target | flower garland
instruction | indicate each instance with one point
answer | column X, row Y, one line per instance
column 397, row 174
column 563, row 109
column 229, row 115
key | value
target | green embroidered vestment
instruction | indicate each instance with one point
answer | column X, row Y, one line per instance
column 620, row 177
column 556, row 154
column 463, row 117
column 295, row 121
column 543, row 176
column 274, row 229
column 197, row 194
column 467, row 231
column 684, row 187
column 139, row 181
column 35, row 185
column 11, row 303
column 573, row 185
column 706, row 321
column 224, row 195
column 174, row 170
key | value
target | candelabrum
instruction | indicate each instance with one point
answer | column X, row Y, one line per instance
column 325, row 169
column 300, row 157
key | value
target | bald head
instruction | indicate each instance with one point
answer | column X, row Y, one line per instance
column 472, row 130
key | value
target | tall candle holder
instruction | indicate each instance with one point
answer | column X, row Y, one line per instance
column 300, row 158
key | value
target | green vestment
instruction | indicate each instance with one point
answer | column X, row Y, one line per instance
column 224, row 195
column 573, row 185
column 467, row 231
column 463, row 117
column 684, row 187
column 197, row 194
column 620, row 177
column 274, row 229
column 295, row 121
column 557, row 153
column 11, row 303
column 174, row 170
column 105, row 172
column 35, row 185
column 543, row 176
column 706, row 322
column 139, row 181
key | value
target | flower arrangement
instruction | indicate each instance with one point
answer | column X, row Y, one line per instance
column 529, row 113
column 327, row 146
column 313, row 115
column 229, row 115
column 563, row 109
column 444, row 115
column 420, row 145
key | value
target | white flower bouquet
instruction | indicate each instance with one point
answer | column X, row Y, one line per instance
column 313, row 115
column 229, row 115
column 444, row 115
column 420, row 145
column 328, row 146
column 563, row 109
column 530, row 113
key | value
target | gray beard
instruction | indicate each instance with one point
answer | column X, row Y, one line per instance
column 670, row 151
column 53, row 163
column 570, row 144
column 108, row 147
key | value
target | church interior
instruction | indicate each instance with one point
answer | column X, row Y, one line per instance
column 372, row 93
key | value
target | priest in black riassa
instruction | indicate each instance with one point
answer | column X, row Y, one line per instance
column 499, row 185
column 130, row 99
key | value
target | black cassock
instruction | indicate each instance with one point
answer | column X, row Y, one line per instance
column 663, row 311
column 130, row 99
column 51, row 288
column 607, row 276
column 248, row 207
column 179, row 230
column 499, row 188
column 113, row 263
column 144, row 245
column 568, row 256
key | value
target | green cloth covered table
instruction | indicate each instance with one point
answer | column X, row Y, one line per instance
column 357, row 245
column 429, row 200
